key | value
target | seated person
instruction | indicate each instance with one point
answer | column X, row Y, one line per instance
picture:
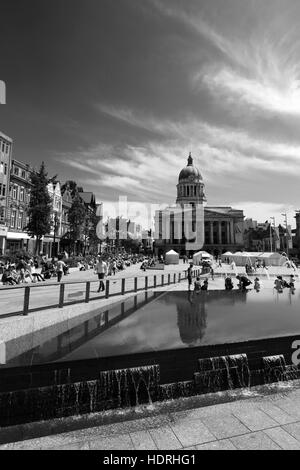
column 205, row 284
column 244, row 282
column 257, row 285
column 197, row 285
column 292, row 285
column 228, row 283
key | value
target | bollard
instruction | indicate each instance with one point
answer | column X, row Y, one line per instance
column 107, row 289
column 135, row 284
column 174, row 278
column 26, row 300
column 162, row 279
column 123, row 286
column 87, row 292
column 146, row 282
column 179, row 277
column 61, row 295
column 169, row 279
column 154, row 281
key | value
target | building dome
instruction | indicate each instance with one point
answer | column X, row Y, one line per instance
column 190, row 172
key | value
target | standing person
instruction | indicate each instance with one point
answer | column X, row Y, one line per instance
column 197, row 285
column 21, row 267
column 60, row 269
column 190, row 275
column 212, row 272
column 101, row 269
column 114, row 267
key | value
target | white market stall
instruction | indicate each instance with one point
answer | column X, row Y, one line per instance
column 172, row 257
column 243, row 258
column 201, row 256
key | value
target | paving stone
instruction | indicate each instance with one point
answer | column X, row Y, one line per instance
column 292, row 407
column 255, row 419
column 254, row 441
column 165, row 438
column 283, row 438
column 293, row 429
column 224, row 444
column 192, row 433
column 122, row 442
column 225, row 426
column 277, row 413
column 142, row 440
column 75, row 446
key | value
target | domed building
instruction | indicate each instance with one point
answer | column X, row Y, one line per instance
column 191, row 225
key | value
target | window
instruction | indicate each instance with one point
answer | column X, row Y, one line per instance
column 3, row 146
column 23, row 174
column 1, row 167
column 21, row 194
column 14, row 192
column 20, row 218
column 3, row 190
column 13, row 218
column 16, row 171
column 2, row 215
column 5, row 168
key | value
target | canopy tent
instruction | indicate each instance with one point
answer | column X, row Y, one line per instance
column 243, row 258
column 200, row 256
column 172, row 257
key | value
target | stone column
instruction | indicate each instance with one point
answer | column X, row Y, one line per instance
column 228, row 233
column 211, row 237
column 232, row 232
column 220, row 233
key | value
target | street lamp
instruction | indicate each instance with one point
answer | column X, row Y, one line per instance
column 55, row 227
column 271, row 235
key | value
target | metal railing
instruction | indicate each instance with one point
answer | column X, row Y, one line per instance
column 125, row 286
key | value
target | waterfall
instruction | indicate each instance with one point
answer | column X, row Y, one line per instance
column 223, row 372
column 274, row 368
column 133, row 386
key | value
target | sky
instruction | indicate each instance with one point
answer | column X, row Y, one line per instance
column 115, row 94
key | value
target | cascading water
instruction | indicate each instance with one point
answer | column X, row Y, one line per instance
column 130, row 387
column 222, row 373
column 274, row 368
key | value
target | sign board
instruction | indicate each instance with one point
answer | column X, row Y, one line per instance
column 3, row 231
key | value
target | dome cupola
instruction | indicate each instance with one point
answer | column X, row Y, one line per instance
column 190, row 188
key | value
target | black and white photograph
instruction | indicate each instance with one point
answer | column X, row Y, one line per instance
column 149, row 228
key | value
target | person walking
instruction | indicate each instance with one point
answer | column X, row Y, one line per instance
column 101, row 270
column 59, row 269
column 190, row 275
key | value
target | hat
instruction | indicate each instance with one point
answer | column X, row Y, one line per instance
column 256, row 279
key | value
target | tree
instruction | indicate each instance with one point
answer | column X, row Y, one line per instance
column 40, row 205
column 76, row 219
column 72, row 186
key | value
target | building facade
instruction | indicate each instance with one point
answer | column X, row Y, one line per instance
column 18, row 202
column 5, row 164
column 218, row 228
